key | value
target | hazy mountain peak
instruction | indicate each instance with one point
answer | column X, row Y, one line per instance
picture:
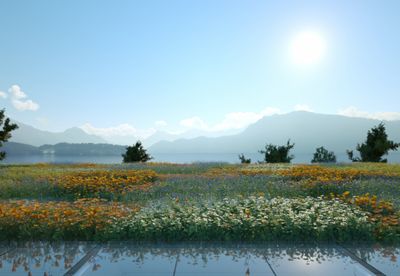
column 307, row 130
column 74, row 130
column 27, row 134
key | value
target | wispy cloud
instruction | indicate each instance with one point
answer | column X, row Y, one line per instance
column 20, row 100
column 233, row 120
column 161, row 124
column 194, row 122
column 124, row 130
column 352, row 111
column 3, row 95
column 230, row 121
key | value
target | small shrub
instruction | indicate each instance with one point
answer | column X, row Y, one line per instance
column 244, row 160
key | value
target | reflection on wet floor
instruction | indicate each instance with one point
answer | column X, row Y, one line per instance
column 80, row 258
column 385, row 259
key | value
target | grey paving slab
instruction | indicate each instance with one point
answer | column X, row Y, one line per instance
column 41, row 258
column 314, row 261
column 386, row 259
column 223, row 264
column 114, row 261
column 191, row 259
column 4, row 249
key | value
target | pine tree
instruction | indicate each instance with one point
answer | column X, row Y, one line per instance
column 136, row 153
column 277, row 154
column 322, row 155
column 375, row 146
column 5, row 133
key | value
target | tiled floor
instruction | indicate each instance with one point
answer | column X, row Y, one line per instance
column 41, row 258
column 386, row 259
column 77, row 258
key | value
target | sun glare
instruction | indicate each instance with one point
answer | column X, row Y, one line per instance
column 307, row 48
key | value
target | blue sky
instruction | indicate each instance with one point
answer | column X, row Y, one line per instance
column 177, row 65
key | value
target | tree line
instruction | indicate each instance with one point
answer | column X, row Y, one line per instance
column 376, row 145
column 373, row 149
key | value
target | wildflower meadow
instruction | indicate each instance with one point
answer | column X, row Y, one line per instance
column 200, row 202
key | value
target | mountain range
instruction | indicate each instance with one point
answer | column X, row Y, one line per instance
column 29, row 135
column 307, row 130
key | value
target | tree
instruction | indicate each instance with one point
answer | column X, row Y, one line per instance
column 322, row 155
column 5, row 133
column 375, row 146
column 136, row 153
column 243, row 159
column 277, row 154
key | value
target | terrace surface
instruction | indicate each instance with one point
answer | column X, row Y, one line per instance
column 86, row 258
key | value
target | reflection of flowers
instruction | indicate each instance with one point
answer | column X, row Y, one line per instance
column 96, row 267
column 46, row 254
column 201, row 253
column 40, row 254
column 379, row 251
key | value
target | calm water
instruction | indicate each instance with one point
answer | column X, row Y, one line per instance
column 80, row 258
column 174, row 158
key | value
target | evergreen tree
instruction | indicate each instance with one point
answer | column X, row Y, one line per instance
column 375, row 146
column 277, row 154
column 322, row 155
column 136, row 153
column 5, row 132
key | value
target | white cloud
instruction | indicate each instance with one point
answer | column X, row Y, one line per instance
column 302, row 107
column 160, row 124
column 194, row 122
column 124, row 130
column 16, row 92
column 233, row 120
column 3, row 95
column 19, row 99
column 352, row 111
column 25, row 105
column 238, row 120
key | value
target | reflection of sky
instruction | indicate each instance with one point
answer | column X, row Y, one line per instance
column 318, row 264
column 385, row 259
column 193, row 259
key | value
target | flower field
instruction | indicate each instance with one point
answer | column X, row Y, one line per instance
column 161, row 201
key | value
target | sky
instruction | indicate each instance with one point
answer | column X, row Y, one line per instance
column 140, row 66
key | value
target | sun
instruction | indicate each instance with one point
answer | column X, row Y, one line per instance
column 307, row 48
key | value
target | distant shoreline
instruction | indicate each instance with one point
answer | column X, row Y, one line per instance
column 180, row 158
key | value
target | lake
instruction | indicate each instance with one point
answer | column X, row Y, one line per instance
column 172, row 158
